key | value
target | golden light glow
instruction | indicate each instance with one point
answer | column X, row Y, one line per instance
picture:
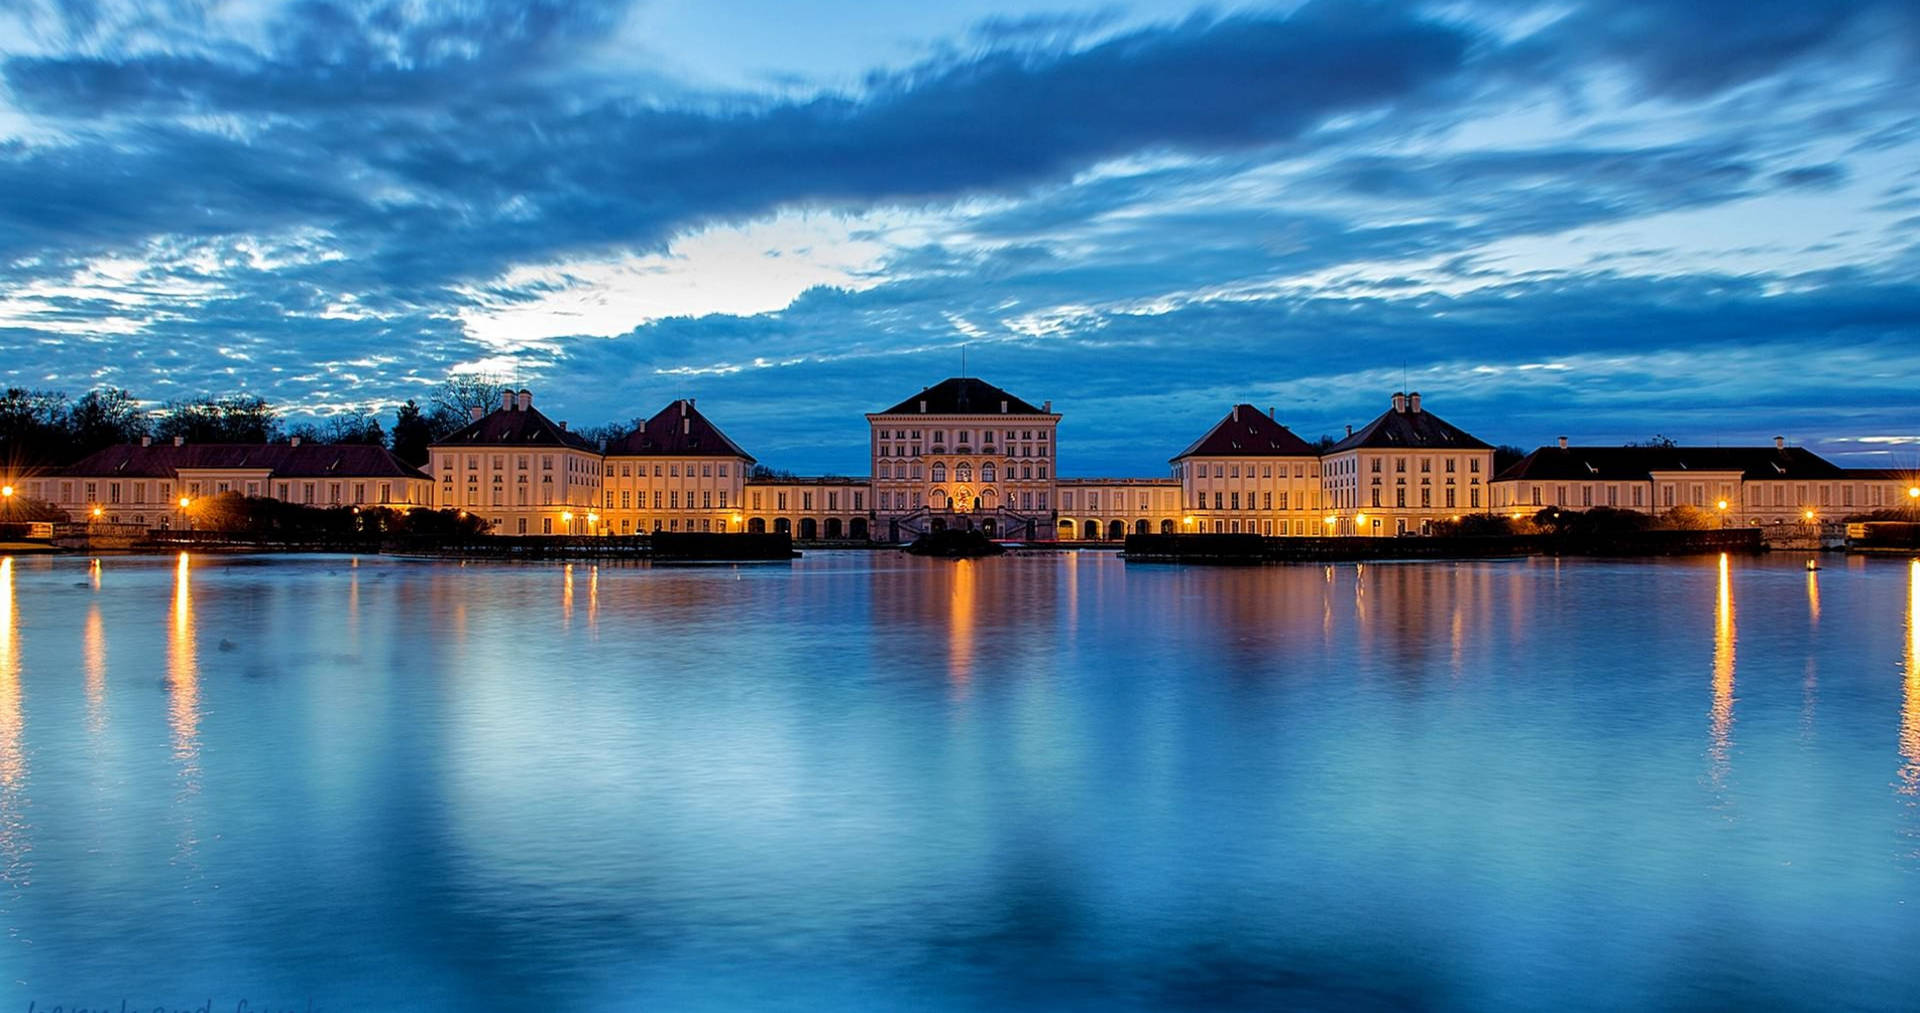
column 960, row 625
column 1722, row 504
column 183, row 677
column 94, row 650
column 1910, row 703
column 13, row 760
column 1330, row 520
column 1913, row 492
column 1721, row 735
column 185, row 502
column 1359, row 518
column 1809, row 515
column 6, row 490
column 567, row 515
column 97, row 511
column 1813, row 597
column 1188, row 521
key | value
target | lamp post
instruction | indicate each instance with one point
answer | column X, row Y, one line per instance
column 1722, row 505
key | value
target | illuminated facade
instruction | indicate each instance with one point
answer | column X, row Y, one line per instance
column 1403, row 472
column 676, row 472
column 964, row 453
column 523, row 472
column 1249, row 474
column 161, row 485
column 1746, row 486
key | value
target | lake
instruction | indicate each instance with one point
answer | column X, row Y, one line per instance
column 866, row 780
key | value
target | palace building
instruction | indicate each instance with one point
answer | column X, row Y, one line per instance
column 523, row 472
column 161, row 485
column 964, row 453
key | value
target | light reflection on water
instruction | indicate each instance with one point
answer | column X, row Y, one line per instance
column 871, row 780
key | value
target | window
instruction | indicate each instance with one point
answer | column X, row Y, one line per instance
column 939, row 472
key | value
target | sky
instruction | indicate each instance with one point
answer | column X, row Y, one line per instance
column 1603, row 220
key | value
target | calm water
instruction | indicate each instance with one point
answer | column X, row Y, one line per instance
column 866, row 780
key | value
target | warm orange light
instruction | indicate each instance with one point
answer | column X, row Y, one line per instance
column 1809, row 515
column 1913, row 492
column 185, row 502
column 593, row 518
column 1187, row 521
column 6, row 490
column 97, row 511
column 1359, row 518
column 1330, row 520
column 1723, row 504
column 567, row 515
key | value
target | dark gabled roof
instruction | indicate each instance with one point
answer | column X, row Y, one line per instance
column 1247, row 432
column 963, row 396
column 677, row 429
column 1412, row 429
column 1880, row 474
column 1637, row 464
column 513, row 427
column 282, row 460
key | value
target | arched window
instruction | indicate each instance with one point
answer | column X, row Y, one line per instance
column 988, row 473
column 962, row 472
column 939, row 472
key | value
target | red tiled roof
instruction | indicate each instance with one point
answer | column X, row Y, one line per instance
column 1246, row 431
column 282, row 460
column 963, row 396
column 677, row 430
column 1636, row 464
column 515, row 428
column 1410, row 428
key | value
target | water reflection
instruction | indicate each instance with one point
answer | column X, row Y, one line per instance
column 1910, row 706
column 566, row 597
column 183, row 679
column 13, row 763
column 95, row 647
column 960, row 624
column 1722, row 711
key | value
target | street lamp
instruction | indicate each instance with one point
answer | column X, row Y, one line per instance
column 185, row 502
column 97, row 512
column 6, row 491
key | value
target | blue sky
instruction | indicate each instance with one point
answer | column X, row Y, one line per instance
column 1603, row 220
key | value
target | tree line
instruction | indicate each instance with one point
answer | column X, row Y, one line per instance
column 49, row 429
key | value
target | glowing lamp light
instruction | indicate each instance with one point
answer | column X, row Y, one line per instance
column 1330, row 520
column 97, row 511
column 593, row 518
column 6, row 490
column 1809, row 515
column 1913, row 492
column 1359, row 518
column 185, row 502
column 567, row 515
column 1722, row 504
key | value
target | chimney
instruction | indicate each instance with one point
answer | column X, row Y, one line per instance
column 1399, row 402
column 506, row 400
column 686, row 424
column 563, row 425
column 1413, row 402
column 525, row 399
column 1270, row 414
column 474, row 412
column 1779, row 443
column 1563, row 443
column 179, row 441
column 1349, row 429
column 146, row 441
column 1236, row 413
column 293, row 441
column 690, row 402
column 1047, row 406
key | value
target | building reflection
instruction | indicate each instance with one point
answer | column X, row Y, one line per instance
column 13, row 763
column 95, row 648
column 1723, row 647
column 1910, row 701
column 183, row 678
column 960, row 624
